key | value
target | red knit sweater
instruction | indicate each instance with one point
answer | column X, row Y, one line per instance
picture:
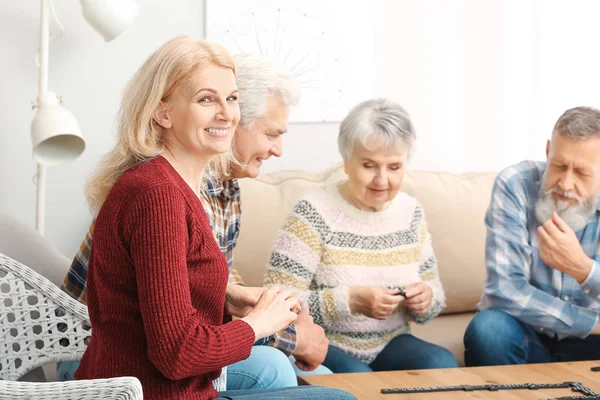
column 156, row 290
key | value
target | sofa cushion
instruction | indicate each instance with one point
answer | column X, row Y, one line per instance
column 26, row 245
column 454, row 205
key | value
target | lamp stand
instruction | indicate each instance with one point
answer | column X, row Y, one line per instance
column 40, row 199
column 42, row 88
column 55, row 134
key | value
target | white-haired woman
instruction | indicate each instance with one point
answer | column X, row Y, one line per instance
column 157, row 279
column 359, row 253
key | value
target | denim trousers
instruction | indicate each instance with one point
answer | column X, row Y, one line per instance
column 266, row 368
column 401, row 353
column 496, row 338
column 297, row 393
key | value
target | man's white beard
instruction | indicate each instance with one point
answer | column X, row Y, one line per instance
column 576, row 216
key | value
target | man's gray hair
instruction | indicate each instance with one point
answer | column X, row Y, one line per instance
column 380, row 121
column 257, row 79
column 579, row 123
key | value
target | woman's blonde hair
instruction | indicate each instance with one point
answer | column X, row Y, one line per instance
column 139, row 136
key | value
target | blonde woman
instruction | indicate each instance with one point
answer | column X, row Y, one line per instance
column 157, row 279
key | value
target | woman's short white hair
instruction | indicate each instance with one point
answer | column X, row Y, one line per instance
column 378, row 121
column 257, row 79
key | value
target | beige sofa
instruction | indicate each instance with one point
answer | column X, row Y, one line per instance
column 454, row 205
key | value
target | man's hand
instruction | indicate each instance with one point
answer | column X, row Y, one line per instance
column 240, row 300
column 418, row 297
column 560, row 249
column 311, row 342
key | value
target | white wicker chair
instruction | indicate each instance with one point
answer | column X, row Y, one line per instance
column 125, row 388
column 40, row 324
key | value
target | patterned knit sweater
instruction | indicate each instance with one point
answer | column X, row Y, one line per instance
column 327, row 246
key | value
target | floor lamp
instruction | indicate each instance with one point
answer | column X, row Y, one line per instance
column 55, row 135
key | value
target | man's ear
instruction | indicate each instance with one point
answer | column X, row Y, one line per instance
column 547, row 149
column 161, row 116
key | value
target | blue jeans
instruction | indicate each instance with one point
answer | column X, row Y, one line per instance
column 401, row 353
column 496, row 338
column 320, row 370
column 297, row 393
column 65, row 371
column 266, row 368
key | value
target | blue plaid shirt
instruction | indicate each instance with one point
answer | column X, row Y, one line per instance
column 518, row 281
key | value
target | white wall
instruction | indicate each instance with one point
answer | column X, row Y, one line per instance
column 89, row 74
column 483, row 81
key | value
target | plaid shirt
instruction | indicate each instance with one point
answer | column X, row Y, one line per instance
column 222, row 203
column 518, row 281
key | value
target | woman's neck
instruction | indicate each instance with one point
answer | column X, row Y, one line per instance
column 188, row 166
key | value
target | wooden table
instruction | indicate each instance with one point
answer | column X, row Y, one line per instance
column 369, row 385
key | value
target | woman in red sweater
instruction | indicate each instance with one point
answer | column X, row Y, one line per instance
column 157, row 279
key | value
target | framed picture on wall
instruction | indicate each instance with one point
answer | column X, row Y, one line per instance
column 329, row 46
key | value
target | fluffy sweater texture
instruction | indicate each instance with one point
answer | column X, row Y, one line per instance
column 327, row 246
column 156, row 290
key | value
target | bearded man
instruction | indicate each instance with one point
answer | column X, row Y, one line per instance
column 542, row 292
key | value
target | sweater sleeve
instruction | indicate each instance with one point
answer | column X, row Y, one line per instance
column 180, row 343
column 295, row 260
column 428, row 273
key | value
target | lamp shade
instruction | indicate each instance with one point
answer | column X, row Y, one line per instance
column 109, row 17
column 55, row 134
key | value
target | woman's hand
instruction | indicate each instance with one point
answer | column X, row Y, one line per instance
column 418, row 297
column 374, row 302
column 276, row 309
column 240, row 300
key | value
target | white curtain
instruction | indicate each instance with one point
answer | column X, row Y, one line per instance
column 485, row 80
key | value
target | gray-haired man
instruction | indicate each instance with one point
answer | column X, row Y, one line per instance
column 542, row 294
